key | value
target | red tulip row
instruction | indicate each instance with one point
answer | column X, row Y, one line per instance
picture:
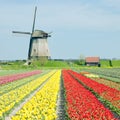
column 11, row 78
column 110, row 94
column 81, row 103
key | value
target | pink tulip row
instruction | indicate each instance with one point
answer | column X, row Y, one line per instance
column 11, row 78
column 110, row 94
column 81, row 103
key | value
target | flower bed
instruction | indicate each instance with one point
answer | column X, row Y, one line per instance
column 42, row 106
column 11, row 78
column 12, row 98
column 110, row 94
column 81, row 103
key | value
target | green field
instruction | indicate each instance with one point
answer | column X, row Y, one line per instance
column 52, row 64
column 105, row 63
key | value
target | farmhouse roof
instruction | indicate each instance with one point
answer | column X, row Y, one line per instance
column 92, row 59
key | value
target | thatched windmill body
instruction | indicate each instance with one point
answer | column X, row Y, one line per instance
column 38, row 46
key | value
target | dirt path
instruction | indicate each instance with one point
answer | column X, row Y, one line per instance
column 61, row 110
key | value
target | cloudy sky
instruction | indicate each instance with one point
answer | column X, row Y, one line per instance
column 80, row 27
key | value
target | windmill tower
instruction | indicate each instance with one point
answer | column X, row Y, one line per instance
column 38, row 46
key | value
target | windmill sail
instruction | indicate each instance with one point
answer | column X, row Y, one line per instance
column 31, row 40
column 34, row 20
column 19, row 32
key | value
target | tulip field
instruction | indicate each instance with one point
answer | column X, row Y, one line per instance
column 61, row 94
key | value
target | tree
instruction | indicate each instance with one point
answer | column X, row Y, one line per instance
column 82, row 59
column 110, row 63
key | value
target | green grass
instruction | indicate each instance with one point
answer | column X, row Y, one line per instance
column 105, row 63
column 116, row 63
column 51, row 64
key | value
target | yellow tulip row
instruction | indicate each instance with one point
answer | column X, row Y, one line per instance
column 13, row 97
column 42, row 106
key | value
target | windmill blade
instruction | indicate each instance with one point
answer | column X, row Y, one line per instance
column 50, row 32
column 30, row 44
column 34, row 20
column 19, row 32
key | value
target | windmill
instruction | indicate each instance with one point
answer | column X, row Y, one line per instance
column 38, row 46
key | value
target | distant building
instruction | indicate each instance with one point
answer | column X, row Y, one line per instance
column 92, row 61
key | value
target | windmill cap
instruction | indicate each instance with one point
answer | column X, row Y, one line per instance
column 39, row 33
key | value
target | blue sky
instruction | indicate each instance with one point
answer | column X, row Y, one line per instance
column 80, row 27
